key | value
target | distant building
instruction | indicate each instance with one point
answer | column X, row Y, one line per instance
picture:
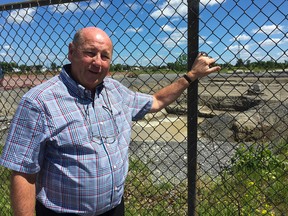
column 136, row 68
column 16, row 70
column 43, row 69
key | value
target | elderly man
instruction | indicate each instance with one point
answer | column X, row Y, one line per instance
column 68, row 142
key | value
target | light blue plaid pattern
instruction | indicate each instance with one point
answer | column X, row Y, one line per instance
column 77, row 145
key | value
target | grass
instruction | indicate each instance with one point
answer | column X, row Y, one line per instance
column 143, row 196
column 5, row 207
column 4, row 191
column 255, row 184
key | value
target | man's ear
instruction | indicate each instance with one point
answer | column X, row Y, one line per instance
column 70, row 51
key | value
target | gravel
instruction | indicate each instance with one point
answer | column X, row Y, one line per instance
column 168, row 160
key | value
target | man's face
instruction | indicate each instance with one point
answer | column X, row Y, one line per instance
column 90, row 58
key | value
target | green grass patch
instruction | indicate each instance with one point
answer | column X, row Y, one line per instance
column 5, row 206
column 255, row 184
column 143, row 196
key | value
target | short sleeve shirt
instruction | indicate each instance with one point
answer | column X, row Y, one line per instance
column 77, row 144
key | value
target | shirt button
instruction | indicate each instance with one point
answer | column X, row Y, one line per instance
column 114, row 166
column 115, row 188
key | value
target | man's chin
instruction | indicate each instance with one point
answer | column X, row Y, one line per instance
column 92, row 85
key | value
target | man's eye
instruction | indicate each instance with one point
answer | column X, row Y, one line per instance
column 89, row 53
column 106, row 57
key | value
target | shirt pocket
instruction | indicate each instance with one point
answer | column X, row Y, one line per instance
column 109, row 123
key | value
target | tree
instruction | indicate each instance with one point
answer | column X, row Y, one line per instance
column 171, row 66
column 23, row 68
column 270, row 64
column 181, row 62
column 53, row 66
column 7, row 67
column 118, row 67
column 285, row 64
column 239, row 63
column 126, row 67
column 248, row 63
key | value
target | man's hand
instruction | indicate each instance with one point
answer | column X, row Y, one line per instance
column 202, row 66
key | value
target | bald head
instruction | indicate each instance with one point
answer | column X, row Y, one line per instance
column 81, row 34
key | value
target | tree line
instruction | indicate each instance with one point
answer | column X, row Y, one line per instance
column 13, row 67
column 180, row 65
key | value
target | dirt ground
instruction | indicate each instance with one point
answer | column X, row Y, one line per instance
column 22, row 81
column 162, row 127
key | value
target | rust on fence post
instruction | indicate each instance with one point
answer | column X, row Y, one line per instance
column 193, row 29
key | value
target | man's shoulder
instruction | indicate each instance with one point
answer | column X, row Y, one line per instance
column 113, row 84
column 46, row 88
column 111, row 80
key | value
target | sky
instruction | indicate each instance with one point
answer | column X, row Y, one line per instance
column 150, row 32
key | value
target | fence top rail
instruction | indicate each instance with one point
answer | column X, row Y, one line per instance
column 34, row 3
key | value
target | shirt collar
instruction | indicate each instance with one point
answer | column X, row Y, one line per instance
column 75, row 87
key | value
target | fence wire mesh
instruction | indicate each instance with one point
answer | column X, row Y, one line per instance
column 242, row 111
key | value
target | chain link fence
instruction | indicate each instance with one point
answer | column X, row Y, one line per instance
column 233, row 144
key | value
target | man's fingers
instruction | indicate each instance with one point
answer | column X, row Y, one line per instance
column 214, row 69
column 204, row 65
column 211, row 60
column 202, row 54
column 208, row 60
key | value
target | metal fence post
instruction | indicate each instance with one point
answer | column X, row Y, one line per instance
column 193, row 27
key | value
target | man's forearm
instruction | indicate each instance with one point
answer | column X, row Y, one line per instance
column 169, row 94
column 202, row 66
column 23, row 194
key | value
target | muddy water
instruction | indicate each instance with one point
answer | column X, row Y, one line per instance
column 166, row 129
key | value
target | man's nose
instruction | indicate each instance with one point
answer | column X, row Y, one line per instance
column 97, row 59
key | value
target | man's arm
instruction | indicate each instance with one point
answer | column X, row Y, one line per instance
column 23, row 194
column 167, row 95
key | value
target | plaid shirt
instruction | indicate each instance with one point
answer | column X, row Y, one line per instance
column 77, row 144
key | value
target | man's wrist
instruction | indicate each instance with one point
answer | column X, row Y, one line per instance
column 186, row 77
